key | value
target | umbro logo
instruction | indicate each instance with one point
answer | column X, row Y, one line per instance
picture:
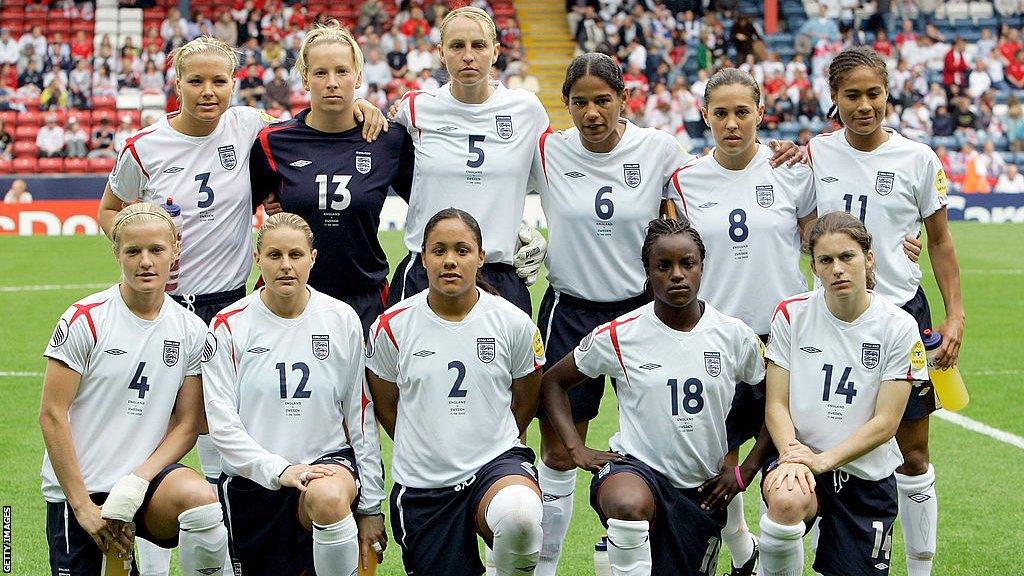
column 708, row 205
column 830, row 179
column 527, row 569
column 258, row 350
column 810, row 350
column 650, row 366
column 924, row 392
column 447, row 129
column 551, row 497
column 210, row 571
column 115, row 351
column 881, row 566
column 300, row 163
column 919, row 497
column 575, row 174
column 173, row 170
column 424, row 353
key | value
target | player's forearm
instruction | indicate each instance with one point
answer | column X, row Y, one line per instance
column 559, row 413
column 876, row 431
column 525, row 395
column 180, row 438
column 755, row 458
column 384, row 395
column 780, row 426
column 61, row 448
column 947, row 274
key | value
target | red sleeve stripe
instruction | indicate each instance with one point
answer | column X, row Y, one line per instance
column 807, row 151
column 543, row 157
column 264, row 139
column 384, row 323
column 85, row 311
column 679, row 188
column 222, row 318
column 411, row 96
column 783, row 307
column 129, row 146
column 613, row 334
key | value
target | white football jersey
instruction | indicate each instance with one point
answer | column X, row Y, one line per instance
column 454, row 383
column 132, row 370
column 598, row 205
column 208, row 177
column 836, row 369
column 748, row 222
column 475, row 157
column 674, row 388
column 283, row 391
column 892, row 189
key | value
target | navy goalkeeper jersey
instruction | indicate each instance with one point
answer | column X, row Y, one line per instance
column 337, row 182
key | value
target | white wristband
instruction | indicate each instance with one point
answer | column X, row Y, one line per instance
column 125, row 498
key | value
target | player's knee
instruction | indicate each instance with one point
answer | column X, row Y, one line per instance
column 788, row 506
column 327, row 500
column 192, row 490
column 557, row 459
column 514, row 514
column 628, row 505
column 915, row 462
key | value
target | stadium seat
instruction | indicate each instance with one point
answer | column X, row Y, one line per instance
column 110, row 115
column 79, row 165
column 24, row 165
column 26, row 132
column 30, row 117
column 25, row 148
column 104, row 103
column 128, row 99
column 101, row 165
column 84, row 117
column 6, row 166
column 9, row 118
column 980, row 10
column 154, row 101
column 50, row 164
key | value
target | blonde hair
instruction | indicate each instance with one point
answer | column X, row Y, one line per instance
column 139, row 213
column 284, row 220
column 330, row 31
column 203, row 44
column 475, row 14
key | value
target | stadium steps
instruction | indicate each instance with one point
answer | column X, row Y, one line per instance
column 549, row 50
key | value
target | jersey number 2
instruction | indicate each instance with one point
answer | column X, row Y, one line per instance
column 460, row 375
column 282, row 373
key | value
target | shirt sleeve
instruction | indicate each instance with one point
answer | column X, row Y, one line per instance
column 382, row 353
column 197, row 341
column 779, row 339
column 404, row 115
column 932, row 186
column 402, row 182
column 232, row 440
column 906, row 358
column 675, row 157
column 804, row 197
column 527, row 349
column 71, row 343
column 263, row 178
column 127, row 180
column 751, row 357
column 595, row 356
column 361, row 422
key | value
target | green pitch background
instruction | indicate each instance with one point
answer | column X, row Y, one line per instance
column 981, row 530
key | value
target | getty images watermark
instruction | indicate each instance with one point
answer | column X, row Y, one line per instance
column 7, row 539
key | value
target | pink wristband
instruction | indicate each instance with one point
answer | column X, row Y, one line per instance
column 739, row 478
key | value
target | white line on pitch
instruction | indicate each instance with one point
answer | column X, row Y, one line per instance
column 21, row 374
column 49, row 287
column 993, row 272
column 975, row 426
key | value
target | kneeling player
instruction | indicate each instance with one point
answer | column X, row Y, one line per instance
column 455, row 374
column 677, row 361
column 122, row 401
column 284, row 383
column 842, row 361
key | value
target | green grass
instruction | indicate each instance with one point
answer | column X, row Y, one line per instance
column 982, row 509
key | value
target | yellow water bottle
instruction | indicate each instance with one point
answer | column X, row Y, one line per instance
column 370, row 568
column 949, row 385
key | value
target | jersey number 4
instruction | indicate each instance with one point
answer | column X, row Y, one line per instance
column 140, row 381
column 300, row 391
column 340, row 198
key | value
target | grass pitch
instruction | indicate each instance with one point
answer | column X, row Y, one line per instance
column 981, row 529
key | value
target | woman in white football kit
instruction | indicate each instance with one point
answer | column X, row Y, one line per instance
column 750, row 216
column 122, row 400
column 842, row 360
column 677, row 362
column 893, row 184
column 455, row 376
column 288, row 411
column 475, row 142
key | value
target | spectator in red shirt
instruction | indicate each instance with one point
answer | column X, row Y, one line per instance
column 1009, row 46
column 956, row 67
column 907, row 34
column 416, row 26
column 882, row 44
column 1015, row 71
column 81, row 46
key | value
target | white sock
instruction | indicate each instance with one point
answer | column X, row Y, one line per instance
column 152, row 559
column 209, row 458
column 919, row 515
column 558, row 487
column 202, row 541
column 815, row 534
column 489, row 568
column 514, row 515
column 736, row 534
column 782, row 548
column 629, row 547
column 336, row 547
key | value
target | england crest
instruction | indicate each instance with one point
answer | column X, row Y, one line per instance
column 713, row 363
column 870, row 354
column 363, row 162
column 884, row 182
column 765, row 195
column 485, row 349
column 227, row 156
column 504, row 126
column 172, row 348
column 631, row 174
column 321, row 346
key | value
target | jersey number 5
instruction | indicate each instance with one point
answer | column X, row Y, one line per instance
column 340, row 198
column 476, row 150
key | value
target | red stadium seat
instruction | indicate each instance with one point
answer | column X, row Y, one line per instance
column 10, row 118
column 6, row 166
column 104, row 103
column 30, row 117
column 25, row 148
column 86, row 26
column 101, row 165
column 110, row 115
column 26, row 132
column 47, row 165
column 26, row 165
column 84, row 117
column 80, row 165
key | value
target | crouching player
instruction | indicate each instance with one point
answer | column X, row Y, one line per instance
column 841, row 363
column 677, row 362
column 455, row 375
column 122, row 401
column 284, row 381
